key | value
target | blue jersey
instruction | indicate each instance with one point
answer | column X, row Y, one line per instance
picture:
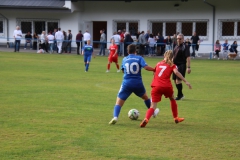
column 132, row 65
column 225, row 46
column 88, row 50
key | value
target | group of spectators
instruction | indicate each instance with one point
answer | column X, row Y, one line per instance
column 225, row 48
column 58, row 41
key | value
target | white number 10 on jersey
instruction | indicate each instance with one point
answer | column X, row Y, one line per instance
column 129, row 68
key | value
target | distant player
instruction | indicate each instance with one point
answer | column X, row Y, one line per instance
column 161, row 85
column 132, row 81
column 113, row 56
column 87, row 51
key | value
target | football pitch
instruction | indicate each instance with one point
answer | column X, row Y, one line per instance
column 50, row 109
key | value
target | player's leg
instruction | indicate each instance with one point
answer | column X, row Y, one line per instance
column 116, row 63
column 156, row 97
column 108, row 65
column 88, row 63
column 141, row 92
column 123, row 94
column 174, row 108
column 178, row 81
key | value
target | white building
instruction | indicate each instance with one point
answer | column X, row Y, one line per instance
column 211, row 19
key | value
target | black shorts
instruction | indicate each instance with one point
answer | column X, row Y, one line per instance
column 181, row 69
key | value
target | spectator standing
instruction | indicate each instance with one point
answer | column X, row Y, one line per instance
column 69, row 40
column 147, row 45
column 50, row 39
column 195, row 40
column 174, row 40
column 142, row 42
column 35, row 40
column 127, row 41
column 102, row 43
column 117, row 38
column 122, row 36
column 182, row 60
column 17, row 35
column 217, row 48
column 151, row 42
column 28, row 39
column 55, row 42
column 79, row 37
column 65, row 42
column 59, row 38
column 225, row 49
column 168, row 43
column 42, row 40
column 160, row 44
column 86, row 37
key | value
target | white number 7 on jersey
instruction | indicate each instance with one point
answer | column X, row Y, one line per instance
column 162, row 70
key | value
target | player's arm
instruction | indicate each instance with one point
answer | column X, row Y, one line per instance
column 83, row 52
column 148, row 68
column 182, row 78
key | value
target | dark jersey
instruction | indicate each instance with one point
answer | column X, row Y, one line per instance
column 180, row 54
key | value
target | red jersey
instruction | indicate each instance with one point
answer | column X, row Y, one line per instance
column 113, row 49
column 162, row 74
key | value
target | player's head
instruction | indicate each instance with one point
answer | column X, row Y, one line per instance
column 88, row 42
column 168, row 57
column 180, row 38
column 113, row 41
column 131, row 49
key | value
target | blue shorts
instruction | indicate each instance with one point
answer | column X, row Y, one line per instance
column 126, row 90
column 87, row 58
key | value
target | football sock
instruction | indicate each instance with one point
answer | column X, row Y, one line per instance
column 174, row 108
column 147, row 103
column 117, row 66
column 179, row 88
column 116, row 111
column 149, row 113
column 108, row 67
column 87, row 65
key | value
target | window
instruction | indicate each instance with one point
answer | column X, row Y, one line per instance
column 187, row 28
column 121, row 26
column 228, row 29
column 133, row 28
column 37, row 25
column 201, row 28
column 52, row 26
column 157, row 28
column 129, row 26
column 26, row 27
column 171, row 28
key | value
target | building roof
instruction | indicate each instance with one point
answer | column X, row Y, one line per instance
column 57, row 4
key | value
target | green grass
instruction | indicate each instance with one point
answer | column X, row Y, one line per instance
column 51, row 109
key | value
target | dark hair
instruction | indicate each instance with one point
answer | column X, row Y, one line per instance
column 69, row 30
column 59, row 29
column 131, row 49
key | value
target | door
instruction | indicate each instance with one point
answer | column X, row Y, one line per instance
column 97, row 26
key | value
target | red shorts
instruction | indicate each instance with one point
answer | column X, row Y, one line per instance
column 113, row 59
column 157, row 93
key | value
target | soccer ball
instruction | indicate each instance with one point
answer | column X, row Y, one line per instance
column 133, row 114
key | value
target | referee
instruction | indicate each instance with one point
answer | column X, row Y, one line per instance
column 182, row 60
